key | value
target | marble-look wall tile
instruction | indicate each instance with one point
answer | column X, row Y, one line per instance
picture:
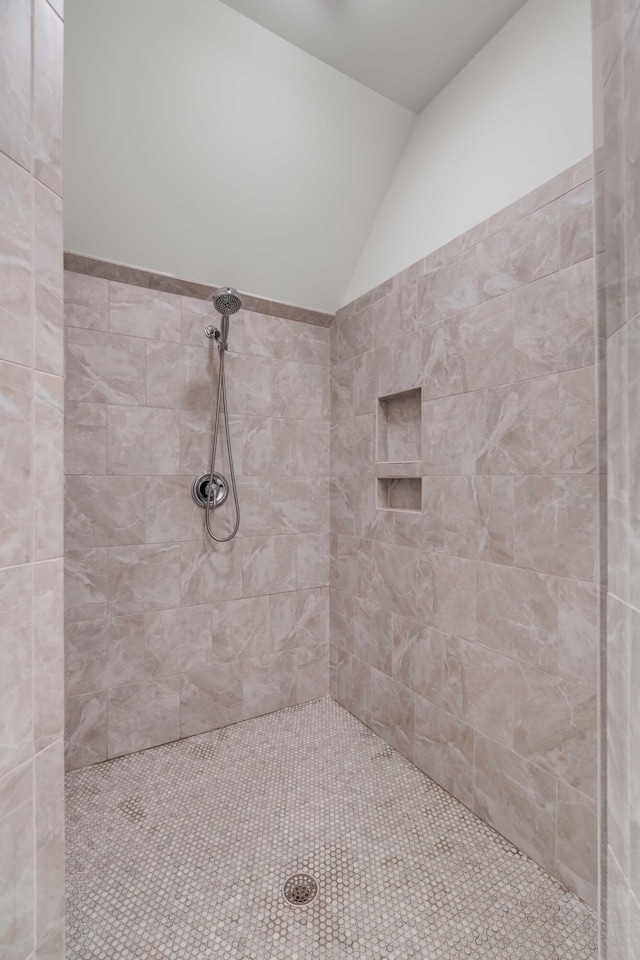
column 52, row 947
column 48, row 657
column 268, row 565
column 174, row 641
column 250, row 386
column 143, row 440
column 140, row 312
column 577, row 422
column 210, row 697
column 448, row 290
column 355, row 334
column 446, row 588
column 170, row 512
column 268, row 683
column 527, row 251
column 353, row 685
column 105, row 368
column 291, row 382
column 517, row 798
column 104, row 511
column 280, row 339
column 393, row 578
column 16, row 227
column 395, row 314
column 578, row 639
column 17, row 878
column 576, row 225
column 392, row 712
column 198, row 314
column 48, row 254
column 478, row 688
column 85, row 589
column 242, row 629
column 300, row 505
column 86, row 301
column 211, row 572
column 517, row 614
column 86, row 657
column 372, row 635
column 443, row 749
column 15, row 75
column 48, row 469
column 299, row 618
column 31, row 483
column 85, row 727
column 49, row 799
column 577, row 842
column 312, row 672
column 16, row 506
column 479, row 518
column 85, row 438
column 47, row 96
column 478, row 346
column 418, row 658
column 312, row 560
column 554, row 327
column 142, row 578
column 555, row 726
column 452, row 430
column 178, row 376
column 143, row 715
column 556, row 525
column 16, row 677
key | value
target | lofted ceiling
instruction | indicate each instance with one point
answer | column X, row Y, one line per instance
column 406, row 50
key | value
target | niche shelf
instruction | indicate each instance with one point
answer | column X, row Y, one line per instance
column 399, row 451
column 400, row 493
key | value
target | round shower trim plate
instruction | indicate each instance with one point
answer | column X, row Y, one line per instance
column 200, row 489
column 300, row 889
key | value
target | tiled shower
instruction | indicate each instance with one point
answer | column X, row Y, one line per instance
column 462, row 567
column 434, row 575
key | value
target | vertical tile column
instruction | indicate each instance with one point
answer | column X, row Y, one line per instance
column 31, row 482
column 616, row 96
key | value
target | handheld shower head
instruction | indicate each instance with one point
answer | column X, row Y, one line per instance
column 226, row 300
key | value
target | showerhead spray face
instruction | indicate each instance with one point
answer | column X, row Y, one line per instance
column 226, row 300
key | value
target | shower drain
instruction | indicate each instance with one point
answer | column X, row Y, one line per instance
column 300, row 889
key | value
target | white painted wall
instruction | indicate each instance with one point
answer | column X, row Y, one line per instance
column 197, row 143
column 518, row 114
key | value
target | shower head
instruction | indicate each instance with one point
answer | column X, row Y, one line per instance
column 226, row 300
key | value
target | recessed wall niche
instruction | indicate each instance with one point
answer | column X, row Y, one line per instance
column 400, row 493
column 400, row 427
column 399, row 451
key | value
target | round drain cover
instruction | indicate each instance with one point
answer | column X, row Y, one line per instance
column 300, row 889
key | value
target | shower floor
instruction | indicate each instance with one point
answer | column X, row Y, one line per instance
column 180, row 853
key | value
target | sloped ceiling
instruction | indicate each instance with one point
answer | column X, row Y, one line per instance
column 407, row 50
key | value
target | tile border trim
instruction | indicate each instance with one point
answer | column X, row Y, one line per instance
column 121, row 273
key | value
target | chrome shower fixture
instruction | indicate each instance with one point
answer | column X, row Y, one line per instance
column 210, row 489
column 226, row 301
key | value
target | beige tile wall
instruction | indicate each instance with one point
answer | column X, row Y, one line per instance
column 31, row 482
column 617, row 82
column 169, row 634
column 466, row 634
